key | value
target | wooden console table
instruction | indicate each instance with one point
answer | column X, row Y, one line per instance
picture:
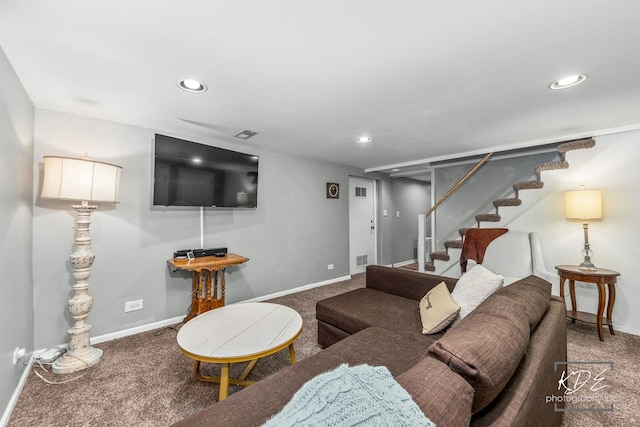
column 202, row 297
column 600, row 277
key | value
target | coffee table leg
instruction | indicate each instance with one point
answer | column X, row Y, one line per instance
column 292, row 354
column 224, row 381
column 248, row 369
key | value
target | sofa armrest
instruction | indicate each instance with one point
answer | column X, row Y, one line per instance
column 405, row 283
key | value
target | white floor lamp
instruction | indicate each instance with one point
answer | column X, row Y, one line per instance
column 83, row 180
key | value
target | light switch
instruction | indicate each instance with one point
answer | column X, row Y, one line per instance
column 384, row 212
column 397, row 214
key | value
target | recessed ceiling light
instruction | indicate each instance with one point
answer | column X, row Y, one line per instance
column 568, row 81
column 364, row 139
column 395, row 170
column 191, row 85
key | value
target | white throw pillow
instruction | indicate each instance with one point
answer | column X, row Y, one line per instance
column 474, row 287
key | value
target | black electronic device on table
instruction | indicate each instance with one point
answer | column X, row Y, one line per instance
column 197, row 253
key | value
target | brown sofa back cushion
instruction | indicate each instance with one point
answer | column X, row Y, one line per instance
column 535, row 295
column 443, row 396
column 486, row 347
column 404, row 283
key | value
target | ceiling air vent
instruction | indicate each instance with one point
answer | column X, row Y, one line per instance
column 246, row 134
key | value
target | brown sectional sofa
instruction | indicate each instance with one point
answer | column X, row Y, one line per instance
column 495, row 367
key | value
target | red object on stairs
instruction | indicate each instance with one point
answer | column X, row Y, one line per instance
column 475, row 244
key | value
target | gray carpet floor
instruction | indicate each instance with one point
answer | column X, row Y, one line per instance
column 144, row 380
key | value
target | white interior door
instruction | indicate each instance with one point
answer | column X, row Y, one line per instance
column 362, row 224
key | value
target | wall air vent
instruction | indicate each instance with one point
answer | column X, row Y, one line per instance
column 246, row 134
column 361, row 260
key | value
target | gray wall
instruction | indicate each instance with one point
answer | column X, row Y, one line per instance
column 290, row 238
column 410, row 198
column 397, row 236
column 385, row 233
column 16, row 159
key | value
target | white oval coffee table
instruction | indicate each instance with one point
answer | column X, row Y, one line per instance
column 238, row 333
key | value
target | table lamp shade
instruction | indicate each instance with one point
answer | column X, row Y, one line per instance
column 80, row 179
column 583, row 204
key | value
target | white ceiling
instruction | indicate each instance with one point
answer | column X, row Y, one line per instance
column 425, row 79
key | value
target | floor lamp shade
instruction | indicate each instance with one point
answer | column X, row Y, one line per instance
column 69, row 178
column 86, row 181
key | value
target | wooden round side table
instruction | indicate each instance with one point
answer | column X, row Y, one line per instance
column 599, row 277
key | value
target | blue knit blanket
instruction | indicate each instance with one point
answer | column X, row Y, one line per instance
column 361, row 395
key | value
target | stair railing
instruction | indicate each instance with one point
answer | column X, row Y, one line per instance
column 421, row 218
column 458, row 184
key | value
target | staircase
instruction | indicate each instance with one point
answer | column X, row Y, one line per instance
column 514, row 201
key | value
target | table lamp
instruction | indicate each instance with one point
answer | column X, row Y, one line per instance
column 584, row 205
column 83, row 180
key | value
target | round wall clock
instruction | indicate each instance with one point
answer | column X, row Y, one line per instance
column 333, row 190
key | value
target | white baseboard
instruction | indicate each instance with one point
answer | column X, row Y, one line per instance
column 298, row 289
column 136, row 330
column 625, row 329
column 402, row 263
column 16, row 393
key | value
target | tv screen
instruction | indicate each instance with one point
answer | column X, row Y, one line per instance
column 192, row 174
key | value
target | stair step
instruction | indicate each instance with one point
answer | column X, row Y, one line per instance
column 429, row 266
column 441, row 255
column 528, row 185
column 549, row 166
column 462, row 231
column 455, row 244
column 488, row 218
column 576, row 145
column 507, row 202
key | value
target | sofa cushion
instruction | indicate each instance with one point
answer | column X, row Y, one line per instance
column 522, row 401
column 444, row 396
column 437, row 309
column 535, row 295
column 362, row 308
column 486, row 347
column 404, row 283
column 474, row 287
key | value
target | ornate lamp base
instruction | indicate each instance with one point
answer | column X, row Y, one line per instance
column 80, row 355
column 76, row 361
column 586, row 265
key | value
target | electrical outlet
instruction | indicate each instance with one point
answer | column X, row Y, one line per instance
column 133, row 305
column 330, row 267
column 18, row 354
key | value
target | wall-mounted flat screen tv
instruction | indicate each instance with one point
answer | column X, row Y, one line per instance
column 191, row 174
